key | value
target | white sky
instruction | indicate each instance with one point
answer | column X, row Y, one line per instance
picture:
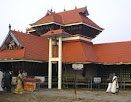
column 112, row 15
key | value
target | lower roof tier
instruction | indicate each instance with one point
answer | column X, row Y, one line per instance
column 74, row 51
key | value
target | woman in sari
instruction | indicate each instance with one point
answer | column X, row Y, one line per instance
column 19, row 87
column 109, row 83
column 115, row 86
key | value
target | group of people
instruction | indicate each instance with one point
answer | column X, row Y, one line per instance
column 6, row 79
column 113, row 86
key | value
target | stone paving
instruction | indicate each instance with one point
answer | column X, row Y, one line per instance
column 123, row 96
column 67, row 95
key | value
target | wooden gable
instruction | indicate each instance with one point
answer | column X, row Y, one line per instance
column 10, row 42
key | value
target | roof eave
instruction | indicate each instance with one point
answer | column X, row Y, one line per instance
column 56, row 35
column 100, row 29
column 76, row 23
column 20, row 59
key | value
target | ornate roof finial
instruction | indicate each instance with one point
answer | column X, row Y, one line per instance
column 64, row 8
column 75, row 7
column 9, row 27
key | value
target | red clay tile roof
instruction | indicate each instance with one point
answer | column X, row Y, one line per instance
column 15, row 54
column 36, row 48
column 78, row 51
column 90, row 22
column 114, row 52
column 49, row 18
column 67, row 17
column 71, row 16
column 53, row 33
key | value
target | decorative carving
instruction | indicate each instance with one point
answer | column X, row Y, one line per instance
column 12, row 45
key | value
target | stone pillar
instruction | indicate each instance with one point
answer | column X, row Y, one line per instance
column 50, row 65
column 60, row 64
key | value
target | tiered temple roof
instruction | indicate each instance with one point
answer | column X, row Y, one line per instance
column 32, row 47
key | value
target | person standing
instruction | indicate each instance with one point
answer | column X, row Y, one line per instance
column 19, row 87
column 115, row 85
column 1, row 77
column 24, row 74
column 7, row 81
column 11, row 75
column 109, row 83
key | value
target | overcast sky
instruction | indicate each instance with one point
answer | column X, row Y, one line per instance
column 112, row 15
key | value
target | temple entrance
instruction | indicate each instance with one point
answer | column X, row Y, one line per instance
column 84, row 77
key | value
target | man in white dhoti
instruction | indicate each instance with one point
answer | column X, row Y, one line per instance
column 1, row 77
column 115, row 85
column 109, row 83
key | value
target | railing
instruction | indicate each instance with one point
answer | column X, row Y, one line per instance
column 124, row 83
column 89, row 83
column 75, row 83
column 72, row 82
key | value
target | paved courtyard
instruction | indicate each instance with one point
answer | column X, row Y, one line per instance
column 67, row 95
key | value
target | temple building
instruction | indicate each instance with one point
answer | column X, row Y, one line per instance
column 59, row 46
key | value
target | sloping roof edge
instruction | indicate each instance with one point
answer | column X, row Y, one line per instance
column 16, row 41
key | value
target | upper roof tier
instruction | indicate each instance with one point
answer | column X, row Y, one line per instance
column 66, row 18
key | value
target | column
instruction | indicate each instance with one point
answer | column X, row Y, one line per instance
column 50, row 65
column 60, row 64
